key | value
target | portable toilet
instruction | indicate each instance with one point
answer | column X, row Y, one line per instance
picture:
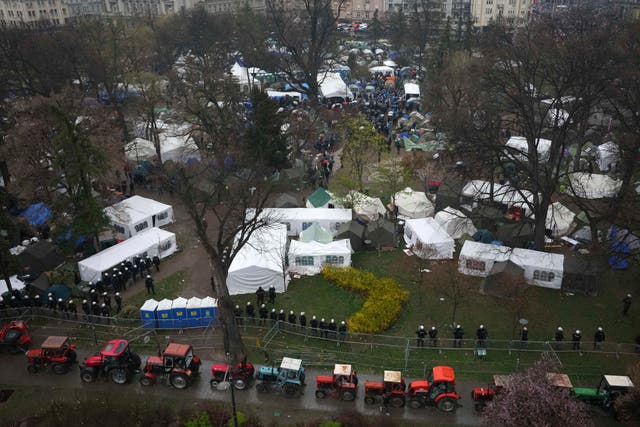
column 209, row 309
column 148, row 314
column 179, row 312
column 194, row 312
column 163, row 313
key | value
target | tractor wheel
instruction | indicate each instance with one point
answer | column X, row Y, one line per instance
column 369, row 400
column 119, row 375
column 320, row 394
column 348, row 395
column 290, row 390
column 32, row 369
column 60, row 368
column 179, row 381
column 415, row 403
column 146, row 381
column 214, row 384
column 88, row 375
column 134, row 362
column 396, row 402
column 447, row 404
column 262, row 388
column 240, row 384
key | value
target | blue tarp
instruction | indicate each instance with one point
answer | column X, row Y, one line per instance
column 59, row 291
column 37, row 214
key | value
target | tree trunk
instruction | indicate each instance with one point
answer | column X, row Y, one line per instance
column 234, row 346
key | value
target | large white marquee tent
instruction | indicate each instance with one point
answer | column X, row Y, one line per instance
column 455, row 223
column 299, row 219
column 477, row 259
column 309, row 257
column 427, row 239
column 413, row 204
column 135, row 214
column 593, row 186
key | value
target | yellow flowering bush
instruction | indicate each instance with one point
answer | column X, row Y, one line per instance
column 385, row 297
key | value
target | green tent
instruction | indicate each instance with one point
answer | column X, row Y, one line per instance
column 319, row 198
column 315, row 233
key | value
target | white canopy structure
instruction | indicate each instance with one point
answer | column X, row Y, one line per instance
column 427, row 239
column 477, row 259
column 246, row 77
column 152, row 242
column 299, row 219
column 277, row 94
column 176, row 144
column 384, row 69
column 332, row 86
column 540, row 268
column 592, row 186
column 518, row 148
column 16, row 284
column 476, row 190
column 608, row 155
column 411, row 90
column 365, row 207
column 260, row 262
column 559, row 219
column 389, row 63
column 315, row 233
column 413, row 204
column 135, row 214
column 455, row 223
column 309, row 257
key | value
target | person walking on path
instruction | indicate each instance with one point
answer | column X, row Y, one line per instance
column 626, row 304
column 148, row 283
column 156, row 262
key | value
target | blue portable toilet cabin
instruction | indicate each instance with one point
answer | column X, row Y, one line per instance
column 179, row 312
column 148, row 314
column 163, row 314
column 209, row 309
column 194, row 312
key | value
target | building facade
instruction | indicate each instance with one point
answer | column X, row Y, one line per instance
column 484, row 12
column 26, row 13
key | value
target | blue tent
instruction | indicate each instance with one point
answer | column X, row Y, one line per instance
column 617, row 260
column 37, row 214
column 59, row 291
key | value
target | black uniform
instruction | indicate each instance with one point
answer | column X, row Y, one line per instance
column 156, row 262
column 71, row 308
column 458, row 333
column 118, row 300
column 86, row 308
column 524, row 334
column 421, row 333
column 332, row 329
column 106, row 299
column 37, row 302
column 342, row 331
column 575, row 338
column 273, row 316
column 106, row 312
column 134, row 271
column 149, row 285
column 303, row 320
column 250, row 311
column 126, row 276
column 260, row 295
column 314, row 325
column 292, row 318
column 559, row 335
column 323, row 328
column 95, row 309
column 433, row 336
column 272, row 295
column 263, row 314
column 61, row 305
column 237, row 312
column 598, row 338
column 147, row 265
column 482, row 335
column 100, row 286
column 626, row 304
column 106, row 280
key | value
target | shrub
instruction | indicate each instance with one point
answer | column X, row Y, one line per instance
column 385, row 298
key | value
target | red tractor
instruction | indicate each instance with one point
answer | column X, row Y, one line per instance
column 55, row 352
column 115, row 360
column 15, row 336
column 177, row 365
column 240, row 376
column 389, row 391
column 438, row 390
column 343, row 384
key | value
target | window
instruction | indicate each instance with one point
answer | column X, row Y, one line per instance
column 162, row 216
column 288, row 224
column 165, row 246
column 304, row 260
column 489, row 2
column 306, row 225
column 334, row 260
column 473, row 264
column 488, row 11
column 120, row 229
column 543, row 276
column 141, row 226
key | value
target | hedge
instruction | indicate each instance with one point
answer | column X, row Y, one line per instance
column 385, row 298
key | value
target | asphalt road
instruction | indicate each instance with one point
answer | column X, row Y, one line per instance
column 271, row 407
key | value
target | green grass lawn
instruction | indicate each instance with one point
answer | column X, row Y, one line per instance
column 168, row 287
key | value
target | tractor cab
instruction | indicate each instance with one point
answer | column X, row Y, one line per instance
column 240, row 375
column 610, row 388
column 176, row 357
column 291, row 371
column 390, row 390
column 111, row 354
column 115, row 360
column 56, row 351
column 439, row 389
column 288, row 378
column 343, row 383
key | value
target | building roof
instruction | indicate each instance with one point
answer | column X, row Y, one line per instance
column 320, row 197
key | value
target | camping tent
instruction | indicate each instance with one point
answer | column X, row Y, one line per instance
column 365, row 207
column 320, row 198
column 411, row 90
column 383, row 69
column 413, row 204
column 592, row 186
column 16, row 284
column 428, row 239
column 516, row 234
column 332, row 86
column 136, row 213
column 477, row 259
column 517, row 148
column 315, row 233
column 477, row 190
column 150, row 243
column 455, row 223
column 559, row 219
column 506, row 279
column 607, row 155
column 540, row 268
column 175, row 141
column 299, row 219
column 260, row 262
column 37, row 214
column 40, row 256
column 381, row 233
column 286, row 201
column 352, row 230
column 309, row 257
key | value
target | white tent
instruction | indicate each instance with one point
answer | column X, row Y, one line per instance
column 246, row 77
column 136, row 213
column 384, row 69
column 411, row 90
column 299, row 219
column 455, row 223
column 332, row 86
column 477, row 259
column 276, row 94
column 476, row 190
column 413, row 204
column 260, row 262
column 309, row 257
column 388, row 62
column 592, row 186
column 315, row 233
column 518, row 148
column 540, row 268
column 152, row 242
column 559, row 219
column 16, row 284
column 368, row 208
column 176, row 144
column 608, row 155
column 427, row 239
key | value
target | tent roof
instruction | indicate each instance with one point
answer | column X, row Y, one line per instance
column 592, row 186
column 527, row 257
column 338, row 247
column 364, row 205
column 518, row 146
column 286, row 201
column 37, row 214
column 353, row 227
column 134, row 209
column 507, row 266
column 315, row 233
column 455, row 222
column 410, row 203
column 380, row 232
column 40, row 256
column 266, row 248
column 320, row 197
column 304, row 214
column 485, row 251
column 332, row 86
column 428, row 230
column 559, row 217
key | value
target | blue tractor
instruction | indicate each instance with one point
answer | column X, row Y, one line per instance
column 288, row 379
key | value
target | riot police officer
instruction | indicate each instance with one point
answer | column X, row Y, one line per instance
column 598, row 338
column 263, row 314
column 273, row 316
column 481, row 335
column 303, row 320
column 118, row 300
column 332, row 329
column 458, row 334
column 576, row 338
column 314, row 325
column 421, row 333
column 433, row 336
column 323, row 328
column 237, row 313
